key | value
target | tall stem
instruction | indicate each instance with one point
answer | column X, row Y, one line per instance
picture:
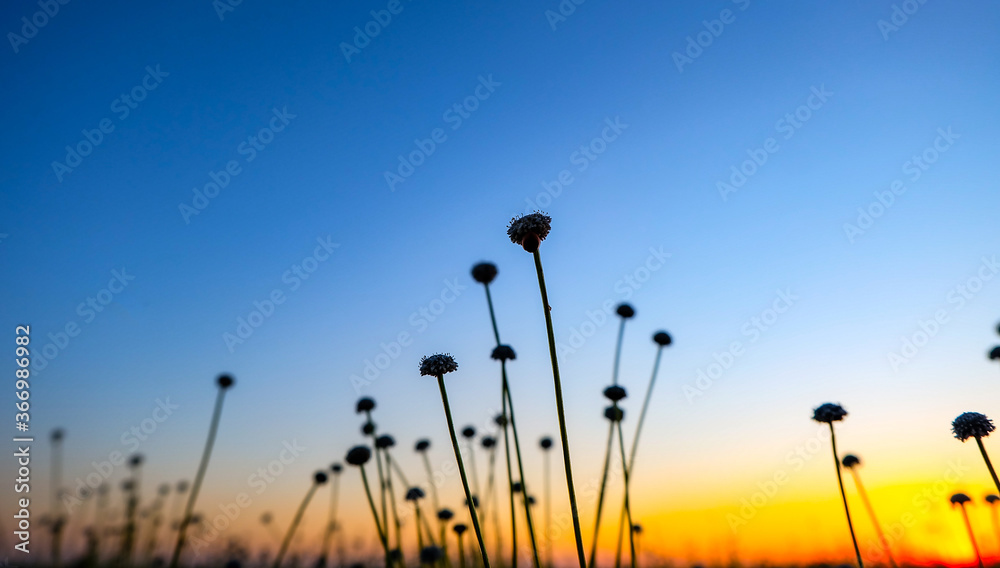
column 972, row 535
column 989, row 464
column 378, row 526
column 331, row 518
column 392, row 499
column 461, row 471
column 295, row 524
column 564, row 437
column 461, row 553
column 600, row 494
column 871, row 513
column 510, row 483
column 618, row 352
column 430, row 480
column 547, row 472
column 198, row 478
column 628, row 507
column 493, row 317
column 843, row 495
column 520, row 465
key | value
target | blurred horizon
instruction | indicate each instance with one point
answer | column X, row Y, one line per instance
column 799, row 194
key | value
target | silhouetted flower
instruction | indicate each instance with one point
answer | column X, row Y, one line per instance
column 368, row 428
column 135, row 460
column 365, row 404
column 829, row 413
column 475, row 501
column 662, row 338
column 500, row 420
column 972, row 425
column 488, row 442
column 266, row 518
column 516, row 487
column 637, row 529
column 320, row 477
column 437, row 365
column 484, row 272
column 529, row 230
column 850, row 460
column 614, row 414
column 358, row 455
column 445, row 515
column 995, row 353
column 422, row 445
column 959, row 498
column 545, row 443
column 58, row 434
column 414, row 493
column 182, row 486
column 430, row 554
column 385, row 441
column 626, row 311
column 992, row 498
column 336, row 468
column 164, row 489
column 469, row 432
column 614, row 393
column 503, row 353
column 459, row 529
column 225, row 381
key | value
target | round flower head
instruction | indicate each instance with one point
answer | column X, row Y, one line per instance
column 529, row 230
column 516, row 487
column 500, row 420
column 850, row 460
column 135, row 460
column 437, row 365
column 637, row 529
column 459, row 529
column 430, row 554
column 385, row 441
column 319, row 477
column 545, row 443
column 484, row 272
column 995, row 353
column 57, row 435
column 128, row 485
column 182, row 486
column 959, row 498
column 531, row 500
column 503, row 353
column 368, row 428
column 422, row 445
column 414, row 493
column 662, row 338
column 163, row 489
column 626, row 311
column 991, row 498
column 614, row 414
column 829, row 413
column 358, row 455
column 475, row 501
column 972, row 425
column 614, row 393
column 445, row 515
column 395, row 555
column 225, row 381
column 336, row 468
column 365, row 404
column 469, row 432
column 488, row 442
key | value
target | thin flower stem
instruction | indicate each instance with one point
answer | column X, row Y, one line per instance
column 520, row 465
column 996, row 520
column 332, row 517
column 461, row 471
column 378, row 525
column 295, row 524
column 392, row 500
column 547, row 472
column 381, row 475
column 600, row 493
column 420, row 534
column 473, row 470
column 493, row 317
column 564, row 437
column 843, row 495
column 461, row 553
column 198, row 478
column 972, row 535
column 510, row 484
column 618, row 351
column 430, row 480
column 628, row 507
column 989, row 464
column 871, row 512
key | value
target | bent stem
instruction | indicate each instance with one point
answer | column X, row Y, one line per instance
column 989, row 464
column 520, row 465
column 600, row 493
column 843, row 495
column 461, row 471
column 564, row 437
column 378, row 526
column 972, row 535
column 198, row 478
column 871, row 512
column 295, row 524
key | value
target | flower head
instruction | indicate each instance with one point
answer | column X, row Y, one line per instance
column 517, row 487
column 475, row 501
column 829, row 413
column 995, row 353
column 358, row 455
column 437, row 365
column 637, row 529
column 336, row 468
column 991, row 498
column 614, row 414
column 163, row 489
column 545, row 443
column 182, row 486
column 225, row 381
column 484, row 272
column 468, row 432
column 58, row 434
column 488, row 442
column 135, row 461
column 430, row 554
column 529, row 230
column 972, row 425
column 445, row 515
column 368, row 428
column 503, row 353
column 959, row 499
column 266, row 518
column 662, row 338
column 500, row 420
column 414, row 493
column 319, row 477
column 459, row 529
column 850, row 460
column 614, row 393
column 365, row 404
column 422, row 445
column 626, row 311
column 385, row 441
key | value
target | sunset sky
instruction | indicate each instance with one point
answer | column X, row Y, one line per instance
column 800, row 193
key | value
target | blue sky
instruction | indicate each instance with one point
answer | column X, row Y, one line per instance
column 654, row 186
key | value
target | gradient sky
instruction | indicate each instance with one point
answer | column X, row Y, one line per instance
column 555, row 85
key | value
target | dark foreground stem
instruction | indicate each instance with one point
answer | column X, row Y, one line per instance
column 378, row 526
column 520, row 465
column 628, row 507
column 600, row 493
column 871, row 513
column 295, row 524
column 843, row 495
column 989, row 464
column 972, row 535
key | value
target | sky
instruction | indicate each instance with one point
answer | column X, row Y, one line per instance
column 800, row 193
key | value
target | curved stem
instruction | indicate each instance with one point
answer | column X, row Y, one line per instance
column 295, row 524
column 989, row 464
column 378, row 526
column 461, row 471
column 564, row 437
column 843, row 495
column 520, row 465
column 198, row 478
column 493, row 317
column 600, row 494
